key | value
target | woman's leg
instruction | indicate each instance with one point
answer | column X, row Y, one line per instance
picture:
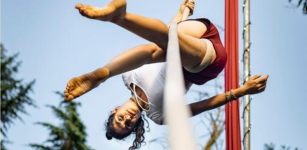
column 135, row 58
column 129, row 60
column 192, row 48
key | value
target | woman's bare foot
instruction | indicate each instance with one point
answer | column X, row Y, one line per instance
column 78, row 86
column 113, row 12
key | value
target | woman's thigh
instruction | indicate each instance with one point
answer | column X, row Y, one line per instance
column 192, row 48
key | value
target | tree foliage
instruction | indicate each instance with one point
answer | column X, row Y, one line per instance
column 271, row 146
column 14, row 93
column 70, row 134
column 302, row 3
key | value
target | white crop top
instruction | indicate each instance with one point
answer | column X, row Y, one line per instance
column 150, row 78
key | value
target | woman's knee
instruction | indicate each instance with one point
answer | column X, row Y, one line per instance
column 151, row 47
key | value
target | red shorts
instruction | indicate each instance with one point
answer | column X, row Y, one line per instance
column 214, row 69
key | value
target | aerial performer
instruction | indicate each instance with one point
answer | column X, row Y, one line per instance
column 143, row 68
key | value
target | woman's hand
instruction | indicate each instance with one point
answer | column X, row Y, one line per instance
column 255, row 84
column 190, row 5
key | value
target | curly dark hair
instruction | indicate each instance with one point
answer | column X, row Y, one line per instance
column 138, row 130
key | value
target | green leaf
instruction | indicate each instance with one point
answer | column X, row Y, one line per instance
column 299, row 3
column 40, row 147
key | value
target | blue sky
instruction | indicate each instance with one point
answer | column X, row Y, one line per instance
column 55, row 44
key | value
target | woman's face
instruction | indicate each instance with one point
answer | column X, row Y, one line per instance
column 126, row 116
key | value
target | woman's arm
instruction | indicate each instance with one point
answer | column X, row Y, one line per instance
column 253, row 86
column 179, row 14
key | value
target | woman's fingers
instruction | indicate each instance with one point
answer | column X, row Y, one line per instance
column 255, row 77
column 261, row 89
column 263, row 79
column 185, row 2
column 190, row 5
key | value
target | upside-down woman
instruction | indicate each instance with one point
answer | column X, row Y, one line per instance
column 143, row 69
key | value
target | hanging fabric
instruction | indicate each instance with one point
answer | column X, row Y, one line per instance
column 233, row 138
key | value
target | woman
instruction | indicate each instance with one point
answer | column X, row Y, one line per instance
column 203, row 58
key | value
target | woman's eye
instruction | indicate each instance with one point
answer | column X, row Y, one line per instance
column 120, row 118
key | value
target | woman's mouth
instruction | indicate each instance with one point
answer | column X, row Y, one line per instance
column 131, row 112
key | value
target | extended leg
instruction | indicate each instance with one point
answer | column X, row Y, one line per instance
column 129, row 60
column 134, row 58
column 192, row 48
column 154, row 30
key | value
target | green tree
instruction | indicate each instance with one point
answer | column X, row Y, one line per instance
column 301, row 3
column 70, row 134
column 14, row 93
column 271, row 146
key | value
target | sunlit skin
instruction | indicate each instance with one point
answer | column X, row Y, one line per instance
column 193, row 49
column 191, row 46
column 127, row 115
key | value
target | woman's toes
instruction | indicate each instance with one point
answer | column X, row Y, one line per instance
column 67, row 88
column 90, row 15
column 78, row 6
column 88, row 7
column 66, row 94
column 81, row 10
column 69, row 98
column 87, row 13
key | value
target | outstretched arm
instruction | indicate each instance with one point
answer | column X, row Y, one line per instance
column 253, row 86
column 179, row 15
